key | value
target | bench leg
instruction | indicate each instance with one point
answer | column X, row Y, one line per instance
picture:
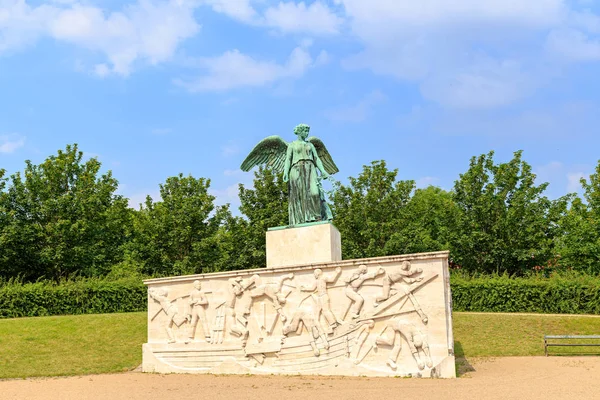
column 545, row 347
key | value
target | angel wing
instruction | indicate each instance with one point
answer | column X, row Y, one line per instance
column 270, row 151
column 324, row 155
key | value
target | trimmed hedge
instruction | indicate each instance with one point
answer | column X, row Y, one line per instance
column 78, row 297
column 558, row 295
column 562, row 295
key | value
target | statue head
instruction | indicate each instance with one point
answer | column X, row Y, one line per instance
column 197, row 284
column 302, row 131
column 318, row 272
column 362, row 268
column 405, row 265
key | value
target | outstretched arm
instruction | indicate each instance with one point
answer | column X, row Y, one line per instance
column 333, row 277
column 309, row 288
column 288, row 163
column 319, row 163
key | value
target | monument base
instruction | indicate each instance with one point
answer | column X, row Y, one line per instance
column 301, row 245
column 383, row 316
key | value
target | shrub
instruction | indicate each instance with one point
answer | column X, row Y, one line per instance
column 91, row 296
column 573, row 294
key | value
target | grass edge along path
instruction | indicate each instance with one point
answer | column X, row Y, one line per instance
column 103, row 343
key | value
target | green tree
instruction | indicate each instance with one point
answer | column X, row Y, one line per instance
column 427, row 223
column 579, row 244
column 263, row 206
column 505, row 223
column 3, row 217
column 369, row 211
column 62, row 218
column 181, row 233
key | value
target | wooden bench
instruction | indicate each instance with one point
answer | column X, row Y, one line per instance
column 567, row 337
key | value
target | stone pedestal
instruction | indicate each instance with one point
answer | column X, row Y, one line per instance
column 309, row 244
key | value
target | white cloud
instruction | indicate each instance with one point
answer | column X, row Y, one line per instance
column 234, row 69
column 426, row 181
column 585, row 20
column 429, row 13
column 287, row 17
column 323, row 58
column 486, row 83
column 534, row 123
column 101, row 70
column 229, row 101
column 561, row 177
column 161, row 131
column 229, row 191
column 148, row 30
column 226, row 195
column 240, row 10
column 10, row 143
column 466, row 54
column 358, row 112
column 548, row 172
column 230, row 149
column 21, row 24
column 140, row 198
column 90, row 155
column 573, row 45
column 233, row 172
column 316, row 18
column 574, row 182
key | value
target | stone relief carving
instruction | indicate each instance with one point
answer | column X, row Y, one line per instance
column 360, row 339
column 307, row 318
column 235, row 289
column 218, row 328
column 319, row 287
column 197, row 311
column 413, row 336
column 272, row 322
column 354, row 283
column 271, row 290
column 170, row 309
column 403, row 273
column 399, row 274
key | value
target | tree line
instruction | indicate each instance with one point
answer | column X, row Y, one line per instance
column 63, row 219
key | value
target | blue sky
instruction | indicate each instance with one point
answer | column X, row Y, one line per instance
column 154, row 88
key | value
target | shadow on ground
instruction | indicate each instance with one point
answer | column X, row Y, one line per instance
column 462, row 364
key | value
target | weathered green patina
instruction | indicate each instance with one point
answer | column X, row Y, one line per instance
column 299, row 161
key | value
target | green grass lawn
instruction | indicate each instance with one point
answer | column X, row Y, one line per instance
column 71, row 345
column 499, row 335
column 84, row 344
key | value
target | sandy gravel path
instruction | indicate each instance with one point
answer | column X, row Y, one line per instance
column 501, row 378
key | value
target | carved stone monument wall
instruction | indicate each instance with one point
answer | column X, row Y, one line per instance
column 385, row 316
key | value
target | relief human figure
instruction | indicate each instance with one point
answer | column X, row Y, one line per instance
column 161, row 297
column 402, row 273
column 320, row 286
column 197, row 313
column 234, row 290
column 307, row 317
column 360, row 339
column 271, row 290
column 354, row 282
column 414, row 337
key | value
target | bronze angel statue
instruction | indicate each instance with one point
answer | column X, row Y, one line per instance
column 299, row 162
